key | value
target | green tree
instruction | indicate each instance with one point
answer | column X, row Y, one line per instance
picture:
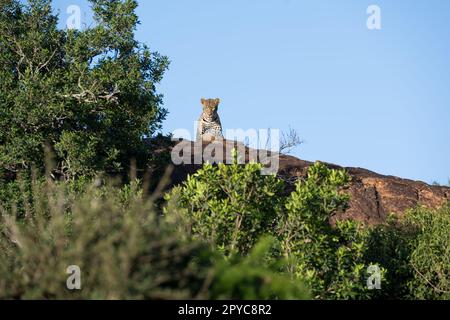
column 89, row 94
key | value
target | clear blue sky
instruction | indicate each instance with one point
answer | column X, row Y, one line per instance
column 373, row 99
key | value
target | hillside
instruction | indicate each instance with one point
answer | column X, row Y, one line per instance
column 373, row 196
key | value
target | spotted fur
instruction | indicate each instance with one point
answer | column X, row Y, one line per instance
column 209, row 122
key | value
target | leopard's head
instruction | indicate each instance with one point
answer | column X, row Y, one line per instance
column 210, row 107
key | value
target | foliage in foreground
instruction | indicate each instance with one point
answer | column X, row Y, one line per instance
column 430, row 257
column 232, row 205
column 330, row 259
column 416, row 253
column 229, row 206
column 124, row 251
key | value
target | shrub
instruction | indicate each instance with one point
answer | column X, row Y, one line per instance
column 389, row 244
column 430, row 257
column 415, row 250
column 330, row 259
column 230, row 206
column 253, row 276
column 124, row 251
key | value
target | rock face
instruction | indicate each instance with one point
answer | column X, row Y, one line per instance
column 372, row 196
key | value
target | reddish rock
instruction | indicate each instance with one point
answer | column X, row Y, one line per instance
column 373, row 196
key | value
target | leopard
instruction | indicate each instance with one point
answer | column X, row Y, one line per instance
column 209, row 125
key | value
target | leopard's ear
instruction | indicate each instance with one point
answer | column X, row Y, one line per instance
column 217, row 101
column 203, row 101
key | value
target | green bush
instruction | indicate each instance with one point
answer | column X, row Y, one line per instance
column 389, row 244
column 124, row 251
column 255, row 276
column 416, row 252
column 232, row 206
column 330, row 259
column 430, row 257
column 229, row 206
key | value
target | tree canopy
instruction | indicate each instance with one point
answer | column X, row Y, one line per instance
column 89, row 94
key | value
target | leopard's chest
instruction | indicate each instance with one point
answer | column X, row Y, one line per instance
column 213, row 127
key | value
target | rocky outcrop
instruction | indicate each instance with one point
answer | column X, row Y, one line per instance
column 373, row 196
